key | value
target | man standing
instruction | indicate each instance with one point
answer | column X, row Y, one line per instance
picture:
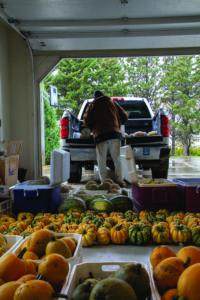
column 105, row 117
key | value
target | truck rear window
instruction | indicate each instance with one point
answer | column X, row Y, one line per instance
column 135, row 109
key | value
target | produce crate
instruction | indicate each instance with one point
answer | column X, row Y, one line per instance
column 189, row 193
column 75, row 259
column 29, row 197
column 156, row 293
column 101, row 270
column 5, row 206
column 12, row 242
column 163, row 195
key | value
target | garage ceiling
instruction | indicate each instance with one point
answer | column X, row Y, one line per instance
column 129, row 27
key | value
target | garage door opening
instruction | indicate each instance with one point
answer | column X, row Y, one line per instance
column 170, row 82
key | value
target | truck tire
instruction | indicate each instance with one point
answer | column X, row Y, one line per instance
column 75, row 172
column 162, row 170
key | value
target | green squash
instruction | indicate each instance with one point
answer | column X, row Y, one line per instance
column 82, row 291
column 139, row 233
column 137, row 276
column 112, row 289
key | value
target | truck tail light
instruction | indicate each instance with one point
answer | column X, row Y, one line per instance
column 164, row 126
column 64, row 132
column 118, row 98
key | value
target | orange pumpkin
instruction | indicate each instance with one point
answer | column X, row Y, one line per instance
column 167, row 272
column 71, row 244
column 38, row 241
column 119, row 234
column 188, row 283
column 32, row 267
column 26, row 278
column 34, row 289
column 2, row 281
column 160, row 253
column 168, row 295
column 8, row 289
column 12, row 267
column 30, row 255
column 54, row 268
column 189, row 251
column 58, row 246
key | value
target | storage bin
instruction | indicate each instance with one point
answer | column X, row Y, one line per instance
column 189, row 193
column 163, row 195
column 101, row 270
column 29, row 197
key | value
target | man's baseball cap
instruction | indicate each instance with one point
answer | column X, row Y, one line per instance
column 98, row 94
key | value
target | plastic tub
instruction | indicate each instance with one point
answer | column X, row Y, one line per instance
column 101, row 270
column 189, row 193
column 163, row 195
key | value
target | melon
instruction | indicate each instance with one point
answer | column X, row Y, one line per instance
column 72, row 204
column 101, row 205
column 121, row 203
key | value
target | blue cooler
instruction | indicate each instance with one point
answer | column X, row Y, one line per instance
column 29, row 197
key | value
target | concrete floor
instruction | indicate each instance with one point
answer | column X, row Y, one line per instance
column 179, row 167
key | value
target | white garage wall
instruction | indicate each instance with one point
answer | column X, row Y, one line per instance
column 16, row 96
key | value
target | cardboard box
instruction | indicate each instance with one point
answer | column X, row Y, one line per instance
column 9, row 163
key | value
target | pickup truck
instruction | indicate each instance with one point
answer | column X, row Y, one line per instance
column 150, row 152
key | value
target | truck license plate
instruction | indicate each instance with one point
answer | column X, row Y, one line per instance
column 146, row 150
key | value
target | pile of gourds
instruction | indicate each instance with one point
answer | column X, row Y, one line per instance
column 161, row 227
column 176, row 276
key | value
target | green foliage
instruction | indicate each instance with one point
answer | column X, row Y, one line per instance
column 193, row 151
column 52, row 131
column 180, row 88
column 144, row 74
column 77, row 79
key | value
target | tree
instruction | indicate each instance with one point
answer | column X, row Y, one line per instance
column 77, row 79
column 143, row 75
column 52, row 131
column 180, row 85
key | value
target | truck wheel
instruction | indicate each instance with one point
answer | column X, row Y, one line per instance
column 161, row 171
column 75, row 172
